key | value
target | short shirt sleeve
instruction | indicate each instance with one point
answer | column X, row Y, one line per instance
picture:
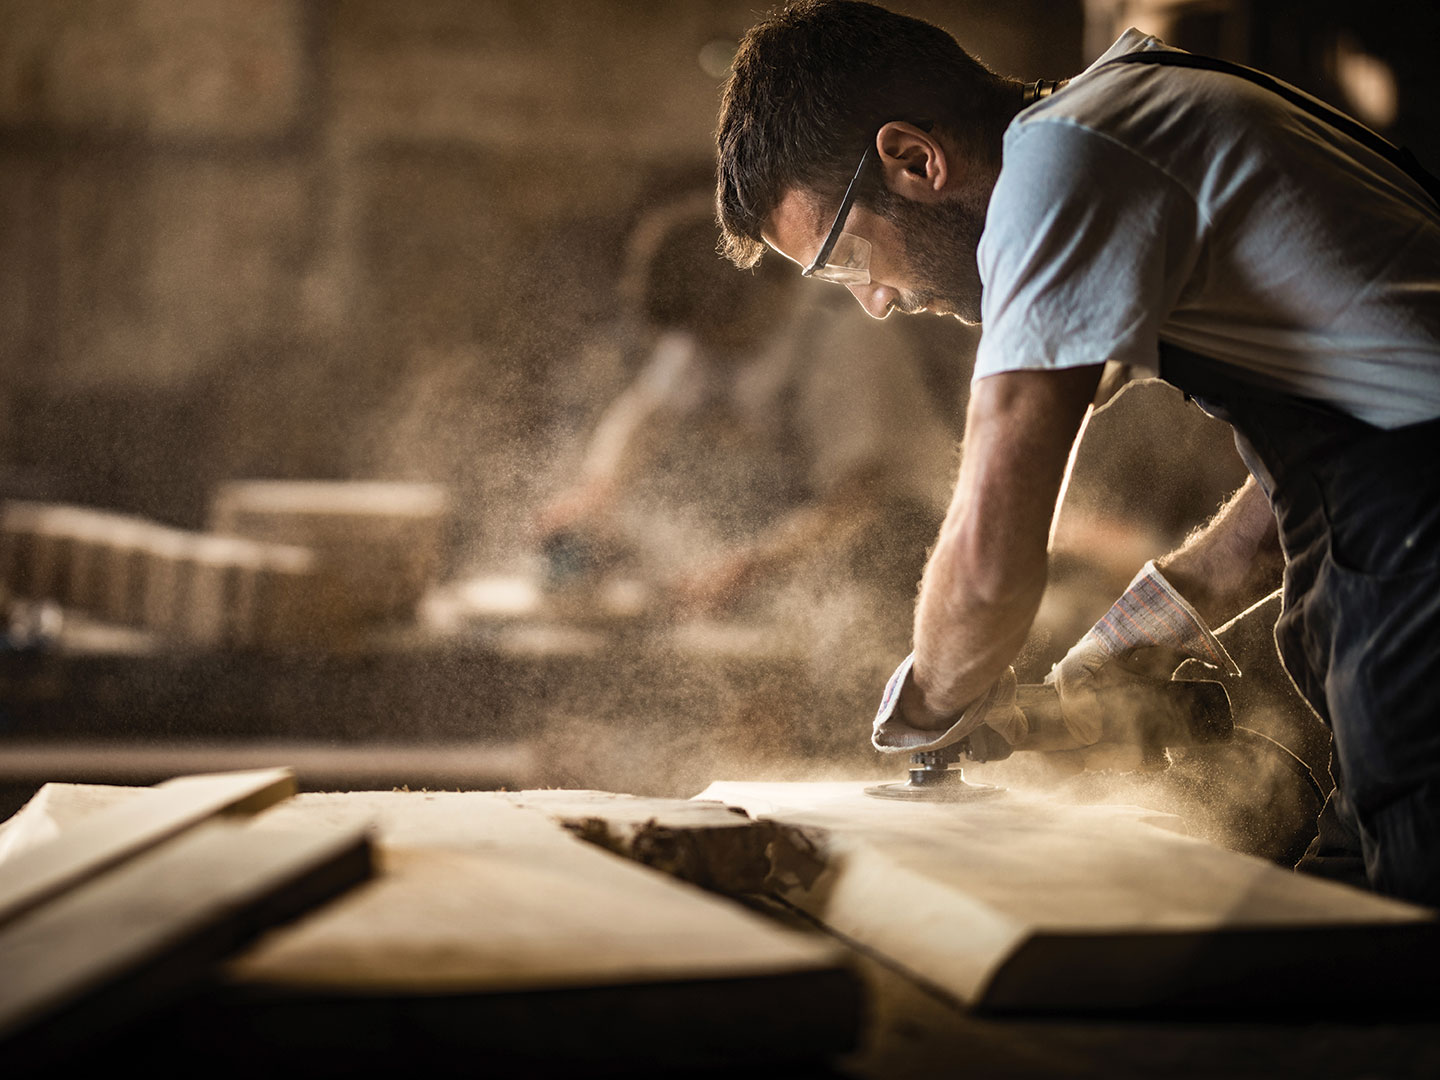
column 1087, row 248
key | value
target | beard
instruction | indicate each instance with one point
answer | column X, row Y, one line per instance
column 941, row 241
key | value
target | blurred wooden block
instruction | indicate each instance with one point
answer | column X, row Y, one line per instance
column 59, row 552
column 91, row 533
column 17, row 533
column 218, row 606
column 202, row 589
column 41, row 541
column 120, row 594
column 165, row 571
column 380, row 543
column 211, row 591
column 286, row 600
column 140, row 935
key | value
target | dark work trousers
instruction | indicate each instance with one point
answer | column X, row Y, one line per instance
column 1359, row 631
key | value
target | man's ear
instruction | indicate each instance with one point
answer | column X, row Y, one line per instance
column 914, row 161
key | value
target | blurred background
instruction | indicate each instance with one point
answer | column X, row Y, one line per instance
column 326, row 242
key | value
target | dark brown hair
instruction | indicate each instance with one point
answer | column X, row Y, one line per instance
column 811, row 85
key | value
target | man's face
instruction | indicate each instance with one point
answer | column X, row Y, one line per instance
column 922, row 255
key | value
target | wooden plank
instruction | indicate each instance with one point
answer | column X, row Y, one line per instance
column 55, row 808
column 516, row 901
column 1016, row 902
column 317, row 766
column 97, row 843
column 136, row 937
column 499, row 933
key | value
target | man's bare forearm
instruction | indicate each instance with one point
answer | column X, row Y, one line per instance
column 983, row 582
column 1231, row 562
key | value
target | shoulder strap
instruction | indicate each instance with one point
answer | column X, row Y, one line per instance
column 1398, row 156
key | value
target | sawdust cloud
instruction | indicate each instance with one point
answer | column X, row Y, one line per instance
column 783, row 684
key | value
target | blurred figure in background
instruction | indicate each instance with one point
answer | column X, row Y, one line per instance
column 771, row 460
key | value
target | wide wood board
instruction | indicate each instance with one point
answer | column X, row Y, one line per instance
column 1018, row 902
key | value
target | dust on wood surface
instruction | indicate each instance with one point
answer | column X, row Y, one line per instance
column 479, row 893
column 1018, row 901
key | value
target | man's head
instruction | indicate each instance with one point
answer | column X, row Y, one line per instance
column 813, row 86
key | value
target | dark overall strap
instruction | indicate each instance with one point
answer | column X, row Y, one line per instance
column 1398, row 156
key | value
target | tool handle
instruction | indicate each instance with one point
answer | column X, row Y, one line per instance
column 1151, row 713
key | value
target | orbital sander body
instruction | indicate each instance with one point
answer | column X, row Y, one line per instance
column 1150, row 714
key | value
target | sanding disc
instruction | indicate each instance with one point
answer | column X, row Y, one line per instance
column 954, row 791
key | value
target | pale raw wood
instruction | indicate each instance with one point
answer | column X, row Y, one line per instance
column 1017, row 902
column 199, row 588
column 496, row 931
column 511, row 598
column 498, row 934
column 100, row 841
column 482, row 894
column 54, row 809
column 135, row 937
column 212, row 606
column 51, row 551
column 166, row 577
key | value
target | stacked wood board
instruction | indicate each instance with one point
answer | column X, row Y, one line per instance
column 193, row 587
column 493, row 934
column 135, row 904
column 283, row 563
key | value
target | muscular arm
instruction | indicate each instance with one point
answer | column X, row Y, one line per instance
column 1231, row 562
column 983, row 583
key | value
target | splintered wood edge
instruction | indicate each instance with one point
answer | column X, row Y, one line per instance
column 101, row 841
column 707, row 843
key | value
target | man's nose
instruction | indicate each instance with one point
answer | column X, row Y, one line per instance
column 877, row 300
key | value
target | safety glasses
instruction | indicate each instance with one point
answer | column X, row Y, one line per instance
column 844, row 258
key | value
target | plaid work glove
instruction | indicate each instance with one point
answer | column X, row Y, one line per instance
column 1149, row 614
column 995, row 708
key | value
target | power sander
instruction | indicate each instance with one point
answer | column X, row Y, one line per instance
column 1150, row 713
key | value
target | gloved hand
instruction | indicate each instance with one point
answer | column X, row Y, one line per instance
column 1149, row 614
column 995, row 708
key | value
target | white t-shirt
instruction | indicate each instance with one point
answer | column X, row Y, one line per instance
column 1143, row 203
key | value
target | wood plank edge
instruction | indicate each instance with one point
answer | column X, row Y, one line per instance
column 326, row 868
column 1341, row 969
column 19, row 896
